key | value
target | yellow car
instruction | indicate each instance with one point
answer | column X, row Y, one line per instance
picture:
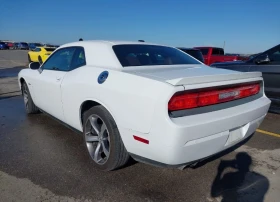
column 40, row 54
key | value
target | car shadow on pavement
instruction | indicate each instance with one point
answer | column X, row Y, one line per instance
column 239, row 184
column 10, row 72
column 221, row 154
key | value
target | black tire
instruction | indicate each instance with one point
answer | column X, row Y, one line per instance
column 40, row 60
column 30, row 107
column 29, row 60
column 118, row 155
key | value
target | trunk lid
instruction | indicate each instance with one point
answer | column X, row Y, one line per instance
column 189, row 74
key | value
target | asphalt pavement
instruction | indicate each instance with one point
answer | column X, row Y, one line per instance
column 11, row 62
column 42, row 160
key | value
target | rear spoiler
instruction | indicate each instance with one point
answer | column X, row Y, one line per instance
column 213, row 78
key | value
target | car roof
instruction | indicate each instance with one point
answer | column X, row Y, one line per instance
column 188, row 48
column 44, row 47
column 99, row 53
column 207, row 47
column 105, row 42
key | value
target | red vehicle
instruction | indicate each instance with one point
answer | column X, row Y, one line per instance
column 10, row 45
column 215, row 55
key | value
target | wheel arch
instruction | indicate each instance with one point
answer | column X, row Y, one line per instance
column 21, row 81
column 89, row 103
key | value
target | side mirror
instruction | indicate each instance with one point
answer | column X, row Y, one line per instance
column 34, row 65
column 262, row 59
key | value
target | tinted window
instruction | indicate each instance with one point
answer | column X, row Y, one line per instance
column 204, row 51
column 79, row 58
column 49, row 49
column 37, row 50
column 25, row 44
column 60, row 60
column 144, row 55
column 217, row 51
column 2, row 43
column 195, row 53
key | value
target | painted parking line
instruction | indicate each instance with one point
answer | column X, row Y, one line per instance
column 268, row 133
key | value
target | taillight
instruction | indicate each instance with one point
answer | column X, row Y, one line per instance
column 188, row 100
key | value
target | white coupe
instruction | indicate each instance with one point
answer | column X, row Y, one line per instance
column 150, row 102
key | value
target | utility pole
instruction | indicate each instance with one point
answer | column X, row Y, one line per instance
column 224, row 45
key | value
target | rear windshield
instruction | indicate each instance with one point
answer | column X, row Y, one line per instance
column 50, row 49
column 204, row 51
column 144, row 55
column 195, row 53
column 2, row 43
column 25, row 44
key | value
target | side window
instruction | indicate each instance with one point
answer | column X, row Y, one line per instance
column 37, row 50
column 79, row 58
column 217, row 51
column 60, row 60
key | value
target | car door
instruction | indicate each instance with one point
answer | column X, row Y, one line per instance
column 270, row 71
column 69, row 87
column 34, row 54
column 47, row 85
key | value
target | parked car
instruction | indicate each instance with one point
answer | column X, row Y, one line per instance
column 3, row 46
column 15, row 45
column 32, row 46
column 39, row 54
column 10, row 45
column 145, row 101
column 252, row 56
column 21, row 46
column 51, row 45
column 196, row 53
column 268, row 63
column 215, row 55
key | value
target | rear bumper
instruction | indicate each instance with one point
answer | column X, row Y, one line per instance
column 178, row 141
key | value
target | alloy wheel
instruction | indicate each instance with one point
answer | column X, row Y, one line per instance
column 97, row 139
column 25, row 96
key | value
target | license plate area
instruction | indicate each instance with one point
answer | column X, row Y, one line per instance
column 235, row 135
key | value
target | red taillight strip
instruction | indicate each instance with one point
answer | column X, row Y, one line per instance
column 140, row 139
column 210, row 97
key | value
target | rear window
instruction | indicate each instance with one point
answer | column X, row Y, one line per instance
column 145, row 55
column 2, row 43
column 49, row 49
column 25, row 44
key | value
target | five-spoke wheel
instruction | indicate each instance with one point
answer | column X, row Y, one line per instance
column 97, row 139
column 102, row 139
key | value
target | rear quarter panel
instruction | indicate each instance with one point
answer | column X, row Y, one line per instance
column 129, row 98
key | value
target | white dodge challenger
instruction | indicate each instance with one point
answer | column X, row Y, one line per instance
column 150, row 102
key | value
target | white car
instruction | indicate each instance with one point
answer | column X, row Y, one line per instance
column 153, row 103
